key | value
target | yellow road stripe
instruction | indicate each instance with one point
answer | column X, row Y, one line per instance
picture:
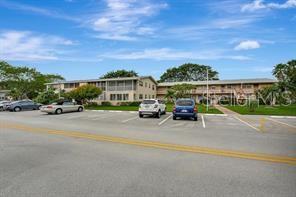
column 176, row 147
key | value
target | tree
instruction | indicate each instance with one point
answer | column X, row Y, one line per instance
column 119, row 74
column 84, row 93
column 180, row 91
column 47, row 97
column 286, row 75
column 189, row 72
column 24, row 82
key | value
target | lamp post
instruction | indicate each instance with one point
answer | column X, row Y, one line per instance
column 207, row 89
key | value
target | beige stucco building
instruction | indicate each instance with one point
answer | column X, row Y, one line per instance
column 117, row 90
column 238, row 89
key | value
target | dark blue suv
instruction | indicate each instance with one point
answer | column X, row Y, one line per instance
column 185, row 108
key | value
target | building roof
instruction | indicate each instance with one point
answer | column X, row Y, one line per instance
column 221, row 82
column 98, row 80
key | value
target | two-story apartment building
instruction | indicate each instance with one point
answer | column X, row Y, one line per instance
column 115, row 90
column 239, row 89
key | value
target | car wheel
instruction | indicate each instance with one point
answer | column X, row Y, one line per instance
column 17, row 109
column 80, row 109
column 158, row 114
column 174, row 118
column 59, row 111
column 141, row 115
column 164, row 112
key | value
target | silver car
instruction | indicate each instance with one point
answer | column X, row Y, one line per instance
column 61, row 107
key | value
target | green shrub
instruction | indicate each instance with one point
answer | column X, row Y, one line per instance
column 106, row 103
column 135, row 103
column 92, row 104
column 253, row 105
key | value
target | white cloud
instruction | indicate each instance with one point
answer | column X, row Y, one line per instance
column 123, row 20
column 248, row 44
column 170, row 54
column 260, row 5
column 37, row 10
column 25, row 45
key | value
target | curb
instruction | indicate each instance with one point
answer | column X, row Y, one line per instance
column 289, row 117
column 135, row 112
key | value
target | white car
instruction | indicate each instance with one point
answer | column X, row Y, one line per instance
column 152, row 107
column 61, row 107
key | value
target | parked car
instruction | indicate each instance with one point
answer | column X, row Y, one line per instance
column 17, row 106
column 152, row 107
column 3, row 105
column 185, row 108
column 61, row 107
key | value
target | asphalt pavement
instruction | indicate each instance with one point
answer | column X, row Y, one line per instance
column 105, row 153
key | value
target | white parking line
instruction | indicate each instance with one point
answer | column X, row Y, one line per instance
column 288, row 117
column 246, row 123
column 165, row 120
column 133, row 118
column 203, row 121
column 216, row 114
column 281, row 123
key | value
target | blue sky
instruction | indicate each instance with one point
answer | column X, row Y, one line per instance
column 83, row 39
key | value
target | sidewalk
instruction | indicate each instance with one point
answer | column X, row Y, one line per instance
column 224, row 110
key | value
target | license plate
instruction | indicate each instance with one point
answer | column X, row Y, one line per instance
column 183, row 110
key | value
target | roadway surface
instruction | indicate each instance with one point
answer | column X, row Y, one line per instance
column 119, row 154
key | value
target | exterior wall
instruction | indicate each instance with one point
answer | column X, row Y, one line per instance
column 237, row 91
column 146, row 89
column 137, row 89
column 4, row 95
column 116, row 91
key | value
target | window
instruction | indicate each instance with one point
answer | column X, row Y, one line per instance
column 140, row 83
column 153, row 96
column 145, row 84
column 141, row 96
column 247, row 86
column 71, row 85
column 153, row 87
column 184, row 103
column 149, row 85
column 68, row 103
column 145, row 96
column 125, row 97
column 135, row 97
column 148, row 102
column 228, row 86
column 149, row 96
column 112, row 97
column 213, row 87
column 119, row 97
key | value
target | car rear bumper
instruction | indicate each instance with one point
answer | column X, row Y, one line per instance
column 179, row 114
column 151, row 112
column 47, row 110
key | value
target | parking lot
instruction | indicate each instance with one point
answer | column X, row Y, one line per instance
column 224, row 153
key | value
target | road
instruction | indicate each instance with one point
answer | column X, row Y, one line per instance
column 118, row 154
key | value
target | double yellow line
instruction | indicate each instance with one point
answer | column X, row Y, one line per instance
column 151, row 144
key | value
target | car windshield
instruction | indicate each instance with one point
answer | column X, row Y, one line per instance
column 184, row 103
column 148, row 102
